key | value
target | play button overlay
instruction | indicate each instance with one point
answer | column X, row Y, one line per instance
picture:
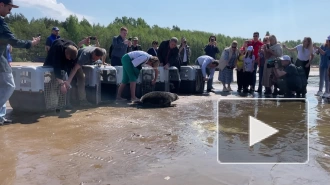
column 262, row 131
column 259, row 131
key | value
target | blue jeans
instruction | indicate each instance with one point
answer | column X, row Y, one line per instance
column 324, row 78
column 7, row 87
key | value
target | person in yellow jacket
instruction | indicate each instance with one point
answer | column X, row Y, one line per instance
column 239, row 68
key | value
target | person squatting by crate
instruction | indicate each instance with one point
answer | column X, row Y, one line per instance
column 249, row 61
column 7, row 84
column 86, row 56
column 291, row 79
column 208, row 65
column 132, row 64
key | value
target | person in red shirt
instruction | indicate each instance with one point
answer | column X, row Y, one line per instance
column 256, row 43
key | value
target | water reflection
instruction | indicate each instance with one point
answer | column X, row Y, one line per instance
column 288, row 145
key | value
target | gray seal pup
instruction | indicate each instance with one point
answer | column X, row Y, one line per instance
column 158, row 99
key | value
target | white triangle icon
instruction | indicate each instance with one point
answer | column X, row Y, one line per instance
column 259, row 131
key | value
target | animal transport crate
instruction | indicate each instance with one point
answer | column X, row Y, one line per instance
column 174, row 79
column 36, row 89
column 143, row 83
column 100, row 83
column 162, row 83
column 191, row 80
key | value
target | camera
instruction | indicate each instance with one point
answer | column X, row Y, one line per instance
column 271, row 63
column 92, row 38
column 130, row 38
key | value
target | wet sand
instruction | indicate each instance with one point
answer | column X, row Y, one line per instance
column 122, row 144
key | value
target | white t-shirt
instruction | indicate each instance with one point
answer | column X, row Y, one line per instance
column 204, row 61
column 303, row 53
column 139, row 57
column 248, row 64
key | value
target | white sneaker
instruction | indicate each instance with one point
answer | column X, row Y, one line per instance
column 319, row 93
column 326, row 95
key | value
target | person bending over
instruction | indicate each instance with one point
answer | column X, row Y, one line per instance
column 132, row 65
column 86, row 56
column 208, row 65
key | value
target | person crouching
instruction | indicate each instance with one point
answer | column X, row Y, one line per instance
column 132, row 64
column 207, row 65
column 249, row 61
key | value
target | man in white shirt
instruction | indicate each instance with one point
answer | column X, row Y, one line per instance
column 208, row 65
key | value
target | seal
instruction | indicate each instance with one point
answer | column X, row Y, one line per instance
column 158, row 99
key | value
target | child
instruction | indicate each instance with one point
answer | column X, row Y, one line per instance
column 249, row 61
column 239, row 67
column 132, row 64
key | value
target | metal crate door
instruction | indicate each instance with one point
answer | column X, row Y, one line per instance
column 147, row 77
column 54, row 99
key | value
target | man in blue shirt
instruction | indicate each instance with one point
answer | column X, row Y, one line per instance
column 52, row 38
column 7, row 84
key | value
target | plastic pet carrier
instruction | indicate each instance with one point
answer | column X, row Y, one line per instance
column 37, row 89
column 162, row 83
column 174, row 78
column 143, row 83
column 191, row 80
column 100, row 82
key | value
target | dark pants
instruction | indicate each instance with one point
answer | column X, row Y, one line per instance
column 184, row 63
column 240, row 79
column 248, row 80
column 254, row 79
column 286, row 87
column 307, row 70
column 115, row 61
column 261, row 73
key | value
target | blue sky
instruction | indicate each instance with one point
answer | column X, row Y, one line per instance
column 287, row 19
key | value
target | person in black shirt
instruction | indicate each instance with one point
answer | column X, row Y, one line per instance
column 154, row 49
column 168, row 53
column 135, row 45
column 62, row 55
column 211, row 49
column 289, row 81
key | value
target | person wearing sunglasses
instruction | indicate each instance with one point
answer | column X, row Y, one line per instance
column 228, row 60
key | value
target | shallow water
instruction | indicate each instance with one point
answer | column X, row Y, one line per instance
column 119, row 144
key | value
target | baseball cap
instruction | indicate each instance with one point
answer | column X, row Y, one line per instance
column 250, row 48
column 54, row 28
column 285, row 57
column 328, row 37
column 9, row 2
column 135, row 38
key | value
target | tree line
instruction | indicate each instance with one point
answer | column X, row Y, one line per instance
column 76, row 30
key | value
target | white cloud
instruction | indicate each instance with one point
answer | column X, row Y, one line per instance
column 51, row 9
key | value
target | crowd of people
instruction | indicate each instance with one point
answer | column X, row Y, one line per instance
column 278, row 74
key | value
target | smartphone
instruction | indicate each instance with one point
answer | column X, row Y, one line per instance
column 39, row 34
column 92, row 38
column 130, row 38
